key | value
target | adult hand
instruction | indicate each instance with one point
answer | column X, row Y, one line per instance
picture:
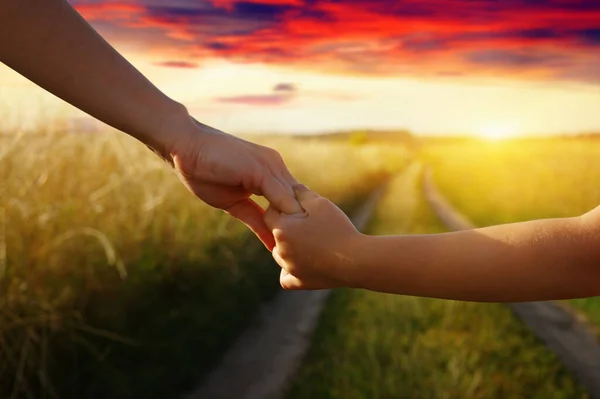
column 48, row 42
column 224, row 171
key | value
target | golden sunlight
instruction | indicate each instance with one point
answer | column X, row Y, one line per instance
column 497, row 132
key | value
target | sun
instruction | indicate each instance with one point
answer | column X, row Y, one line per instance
column 497, row 132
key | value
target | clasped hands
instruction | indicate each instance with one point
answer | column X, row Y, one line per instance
column 307, row 234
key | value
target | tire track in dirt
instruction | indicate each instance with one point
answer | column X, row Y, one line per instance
column 571, row 340
column 261, row 362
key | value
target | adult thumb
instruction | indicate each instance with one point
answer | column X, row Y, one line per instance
column 303, row 193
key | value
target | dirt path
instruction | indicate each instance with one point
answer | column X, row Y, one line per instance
column 263, row 359
column 562, row 333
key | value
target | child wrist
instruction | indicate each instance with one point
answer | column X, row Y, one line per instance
column 352, row 269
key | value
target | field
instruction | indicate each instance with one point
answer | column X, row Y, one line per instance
column 512, row 181
column 116, row 282
column 371, row 345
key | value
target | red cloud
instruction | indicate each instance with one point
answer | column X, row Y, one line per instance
column 177, row 64
column 376, row 37
column 228, row 4
column 109, row 11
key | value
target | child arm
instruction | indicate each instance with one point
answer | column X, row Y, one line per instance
column 528, row 261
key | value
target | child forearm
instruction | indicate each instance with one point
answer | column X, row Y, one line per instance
column 529, row 261
column 50, row 44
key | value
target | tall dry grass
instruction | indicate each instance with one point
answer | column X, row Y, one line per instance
column 115, row 281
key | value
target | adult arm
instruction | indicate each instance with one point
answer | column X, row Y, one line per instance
column 48, row 42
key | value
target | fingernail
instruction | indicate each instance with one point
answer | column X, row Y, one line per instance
column 302, row 214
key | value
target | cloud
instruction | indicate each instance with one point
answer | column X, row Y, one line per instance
column 285, row 88
column 401, row 38
column 261, row 100
column 177, row 64
column 281, row 94
column 508, row 58
column 591, row 36
column 230, row 4
column 100, row 11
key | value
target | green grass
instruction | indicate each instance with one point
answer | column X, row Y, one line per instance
column 506, row 182
column 371, row 345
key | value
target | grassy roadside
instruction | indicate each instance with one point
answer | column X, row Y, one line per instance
column 505, row 182
column 371, row 345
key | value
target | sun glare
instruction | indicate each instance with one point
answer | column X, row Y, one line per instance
column 497, row 132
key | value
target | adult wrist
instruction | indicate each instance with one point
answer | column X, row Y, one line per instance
column 167, row 130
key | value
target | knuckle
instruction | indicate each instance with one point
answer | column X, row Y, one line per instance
column 274, row 155
column 286, row 284
column 294, row 268
column 280, row 235
column 283, row 252
column 320, row 203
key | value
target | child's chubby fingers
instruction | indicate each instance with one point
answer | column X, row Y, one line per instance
column 302, row 261
column 289, row 226
column 286, row 280
column 289, row 282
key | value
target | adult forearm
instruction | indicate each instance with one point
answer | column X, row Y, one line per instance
column 48, row 42
column 529, row 261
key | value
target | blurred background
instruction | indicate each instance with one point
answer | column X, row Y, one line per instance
column 115, row 282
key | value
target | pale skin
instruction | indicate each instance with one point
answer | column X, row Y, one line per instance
column 538, row 260
column 49, row 43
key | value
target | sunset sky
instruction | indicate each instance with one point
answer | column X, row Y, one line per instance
column 495, row 67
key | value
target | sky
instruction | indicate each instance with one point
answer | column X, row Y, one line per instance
column 484, row 67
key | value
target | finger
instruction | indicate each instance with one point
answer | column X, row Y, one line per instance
column 290, row 188
column 252, row 215
column 284, row 183
column 283, row 200
column 271, row 217
column 289, row 282
column 288, row 177
column 280, row 169
column 303, row 193
column 278, row 259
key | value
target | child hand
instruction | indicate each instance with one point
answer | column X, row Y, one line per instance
column 314, row 250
